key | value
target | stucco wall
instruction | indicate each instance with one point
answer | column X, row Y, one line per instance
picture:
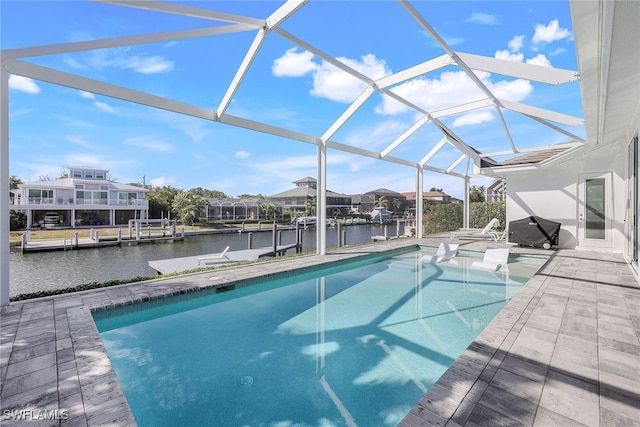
column 552, row 192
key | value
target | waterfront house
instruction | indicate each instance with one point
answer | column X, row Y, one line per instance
column 433, row 196
column 85, row 198
column 231, row 209
column 306, row 190
column 365, row 203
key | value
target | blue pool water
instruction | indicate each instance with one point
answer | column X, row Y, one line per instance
column 356, row 343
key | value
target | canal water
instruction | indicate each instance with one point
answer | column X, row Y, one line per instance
column 45, row 271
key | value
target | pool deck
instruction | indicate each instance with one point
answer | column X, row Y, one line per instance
column 564, row 351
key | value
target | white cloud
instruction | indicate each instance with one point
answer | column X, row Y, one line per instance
column 336, row 85
column 196, row 129
column 78, row 141
column 242, row 154
column 515, row 44
column 505, row 54
column 23, row 84
column 451, row 87
column 103, row 106
column 328, row 81
column 71, row 62
column 540, row 59
column 474, row 118
column 549, row 33
column 483, row 18
column 454, row 41
column 82, row 159
column 119, row 58
column 151, row 142
column 332, row 83
column 86, row 95
column 515, row 90
column 556, row 52
column 161, row 181
column 293, row 64
column 374, row 137
column 149, row 65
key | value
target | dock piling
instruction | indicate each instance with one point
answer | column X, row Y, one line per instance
column 274, row 238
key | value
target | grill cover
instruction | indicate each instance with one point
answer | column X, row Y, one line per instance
column 534, row 231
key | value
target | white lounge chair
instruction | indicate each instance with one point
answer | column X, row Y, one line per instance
column 494, row 259
column 210, row 259
column 445, row 252
column 487, row 231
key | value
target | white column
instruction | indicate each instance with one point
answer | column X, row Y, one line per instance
column 419, row 202
column 465, row 215
column 4, row 188
column 321, row 201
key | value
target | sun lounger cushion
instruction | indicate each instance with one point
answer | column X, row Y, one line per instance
column 493, row 260
column 445, row 251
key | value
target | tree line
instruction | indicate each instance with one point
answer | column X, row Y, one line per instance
column 188, row 205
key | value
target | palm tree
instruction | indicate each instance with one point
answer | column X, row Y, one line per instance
column 312, row 204
column 269, row 210
column 397, row 205
column 189, row 207
column 381, row 202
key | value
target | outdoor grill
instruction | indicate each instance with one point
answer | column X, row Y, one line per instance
column 534, row 231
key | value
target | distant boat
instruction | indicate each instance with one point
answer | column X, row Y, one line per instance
column 306, row 221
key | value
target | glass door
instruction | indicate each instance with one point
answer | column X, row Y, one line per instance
column 594, row 209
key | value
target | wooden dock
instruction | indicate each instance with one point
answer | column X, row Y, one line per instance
column 177, row 265
column 87, row 242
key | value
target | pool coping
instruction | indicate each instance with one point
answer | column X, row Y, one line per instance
column 52, row 357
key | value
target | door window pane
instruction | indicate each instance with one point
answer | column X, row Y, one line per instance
column 595, row 208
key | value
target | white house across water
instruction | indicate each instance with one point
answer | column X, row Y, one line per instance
column 85, row 198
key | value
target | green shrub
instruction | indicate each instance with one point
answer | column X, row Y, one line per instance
column 17, row 220
column 449, row 217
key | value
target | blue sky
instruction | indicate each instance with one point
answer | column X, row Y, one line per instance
column 53, row 127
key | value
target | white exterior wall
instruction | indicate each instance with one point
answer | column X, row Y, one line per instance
column 551, row 192
column 634, row 130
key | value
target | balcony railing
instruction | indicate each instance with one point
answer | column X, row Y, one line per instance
column 69, row 202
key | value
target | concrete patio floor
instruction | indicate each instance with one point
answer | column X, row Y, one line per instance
column 564, row 351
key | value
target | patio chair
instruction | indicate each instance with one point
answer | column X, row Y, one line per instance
column 445, row 252
column 211, row 259
column 494, row 259
column 487, row 231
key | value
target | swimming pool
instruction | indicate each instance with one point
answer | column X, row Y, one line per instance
column 354, row 343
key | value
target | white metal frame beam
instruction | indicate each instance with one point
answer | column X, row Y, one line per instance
column 5, row 295
column 542, row 113
column 456, row 163
column 331, row 60
column 463, row 108
column 275, row 19
column 532, row 149
column 399, row 140
column 71, row 47
column 433, row 151
column 182, row 10
column 350, row 111
column 537, row 73
column 241, row 72
column 415, row 71
column 62, row 78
